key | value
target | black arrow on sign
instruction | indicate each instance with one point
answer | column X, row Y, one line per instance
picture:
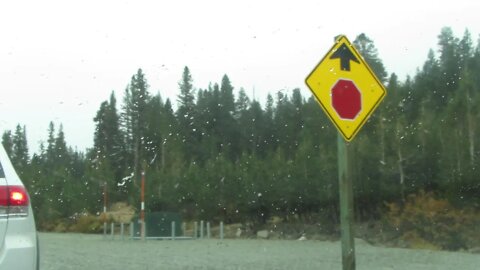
column 345, row 55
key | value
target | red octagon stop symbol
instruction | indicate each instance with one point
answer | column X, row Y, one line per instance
column 346, row 99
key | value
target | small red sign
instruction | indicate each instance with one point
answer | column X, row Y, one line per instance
column 346, row 99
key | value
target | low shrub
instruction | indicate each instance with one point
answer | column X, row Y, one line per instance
column 428, row 222
column 87, row 223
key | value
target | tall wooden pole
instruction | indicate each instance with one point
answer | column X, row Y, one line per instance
column 346, row 203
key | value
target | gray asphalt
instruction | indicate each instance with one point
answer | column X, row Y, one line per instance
column 93, row 252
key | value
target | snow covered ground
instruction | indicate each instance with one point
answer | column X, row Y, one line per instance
column 93, row 252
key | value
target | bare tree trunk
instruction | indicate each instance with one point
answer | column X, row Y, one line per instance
column 382, row 139
column 162, row 170
column 135, row 161
column 458, row 154
column 163, row 157
column 471, row 139
column 471, row 131
column 402, row 173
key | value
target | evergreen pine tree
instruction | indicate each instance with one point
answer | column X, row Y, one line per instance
column 7, row 142
column 369, row 52
column 187, row 129
column 20, row 156
column 133, row 119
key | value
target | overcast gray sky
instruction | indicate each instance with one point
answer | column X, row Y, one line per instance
column 60, row 59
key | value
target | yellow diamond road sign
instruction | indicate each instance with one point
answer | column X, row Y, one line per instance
column 346, row 88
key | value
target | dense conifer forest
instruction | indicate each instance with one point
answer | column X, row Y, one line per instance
column 216, row 153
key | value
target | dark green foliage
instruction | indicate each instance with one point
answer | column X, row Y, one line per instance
column 218, row 157
column 20, row 157
column 133, row 119
column 7, row 142
column 108, row 157
column 187, row 130
column 368, row 51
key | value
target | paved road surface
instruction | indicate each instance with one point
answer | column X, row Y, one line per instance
column 93, row 252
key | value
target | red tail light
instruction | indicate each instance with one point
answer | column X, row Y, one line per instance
column 18, row 196
column 13, row 201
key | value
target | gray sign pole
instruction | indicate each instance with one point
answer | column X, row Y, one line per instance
column 346, row 203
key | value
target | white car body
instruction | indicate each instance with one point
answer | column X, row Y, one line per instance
column 18, row 234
